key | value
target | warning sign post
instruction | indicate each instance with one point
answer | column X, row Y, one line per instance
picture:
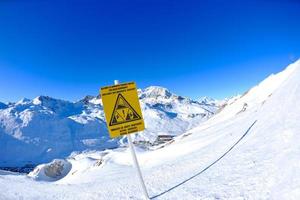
column 122, row 109
column 124, row 116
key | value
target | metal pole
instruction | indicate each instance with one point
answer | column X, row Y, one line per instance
column 135, row 161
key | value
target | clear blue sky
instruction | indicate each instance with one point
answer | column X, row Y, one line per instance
column 217, row 48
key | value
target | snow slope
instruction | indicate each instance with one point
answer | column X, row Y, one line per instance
column 39, row 130
column 244, row 152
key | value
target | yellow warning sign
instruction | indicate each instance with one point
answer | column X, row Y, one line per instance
column 122, row 109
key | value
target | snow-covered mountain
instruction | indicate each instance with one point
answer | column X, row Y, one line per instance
column 168, row 114
column 39, row 130
column 249, row 150
column 207, row 100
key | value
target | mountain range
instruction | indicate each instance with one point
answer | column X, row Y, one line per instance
column 39, row 130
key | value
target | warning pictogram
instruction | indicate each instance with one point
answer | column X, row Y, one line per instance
column 123, row 112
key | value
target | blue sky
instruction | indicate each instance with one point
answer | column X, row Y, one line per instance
column 217, row 48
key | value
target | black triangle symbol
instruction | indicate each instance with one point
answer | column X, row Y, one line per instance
column 123, row 112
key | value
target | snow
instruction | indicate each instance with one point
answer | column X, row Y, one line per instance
column 253, row 154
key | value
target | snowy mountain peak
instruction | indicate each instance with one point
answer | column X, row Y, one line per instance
column 207, row 100
column 87, row 99
column 41, row 100
column 58, row 106
column 23, row 101
column 155, row 92
column 90, row 99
